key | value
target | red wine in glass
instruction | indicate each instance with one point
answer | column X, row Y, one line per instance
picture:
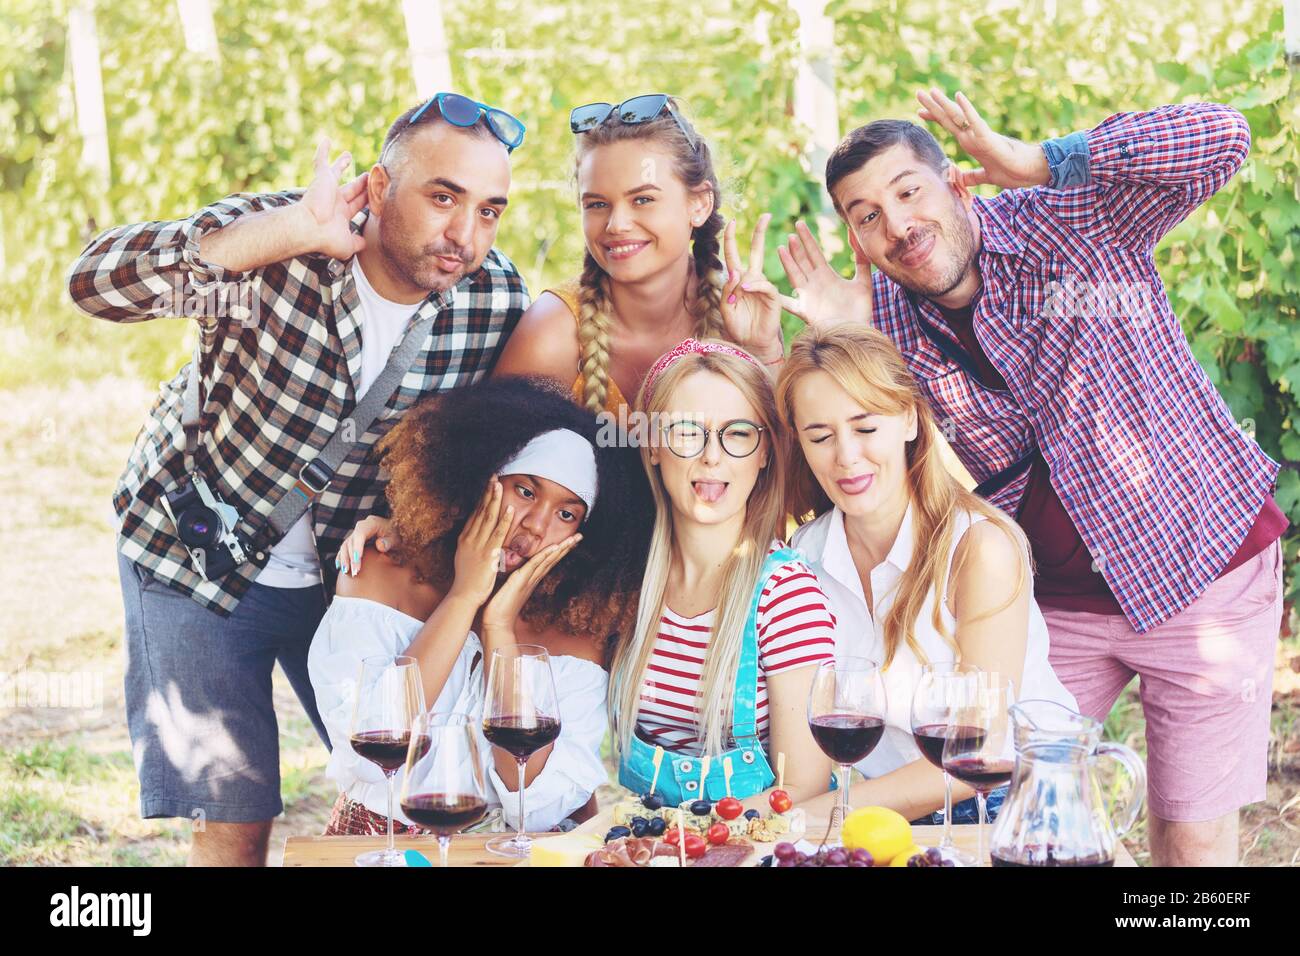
column 1036, row 856
column 521, row 737
column 846, row 716
column 443, row 789
column 846, row 738
column 520, row 716
column 931, row 738
column 943, row 688
column 386, row 749
column 981, row 773
column 444, row 813
column 389, row 696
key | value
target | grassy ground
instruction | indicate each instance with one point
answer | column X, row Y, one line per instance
column 68, row 791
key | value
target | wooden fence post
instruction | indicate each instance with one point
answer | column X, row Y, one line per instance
column 88, row 86
column 427, row 39
column 200, row 31
column 815, row 106
column 1291, row 30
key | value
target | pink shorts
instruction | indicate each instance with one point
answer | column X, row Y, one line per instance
column 1206, row 683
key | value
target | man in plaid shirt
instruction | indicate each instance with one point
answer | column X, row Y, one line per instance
column 1037, row 326
column 328, row 281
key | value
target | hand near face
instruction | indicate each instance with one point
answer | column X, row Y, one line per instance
column 328, row 207
column 478, row 549
column 823, row 296
column 1004, row 161
column 504, row 608
column 751, row 305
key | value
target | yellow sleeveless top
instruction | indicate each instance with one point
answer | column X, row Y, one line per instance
column 614, row 400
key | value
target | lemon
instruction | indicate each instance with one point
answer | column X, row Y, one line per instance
column 882, row 832
column 902, row 858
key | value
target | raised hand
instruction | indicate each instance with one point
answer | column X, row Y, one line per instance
column 478, row 549
column 821, row 295
column 751, row 305
column 1004, row 161
column 328, row 208
column 500, row 614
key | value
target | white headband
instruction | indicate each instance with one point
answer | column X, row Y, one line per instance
column 562, row 456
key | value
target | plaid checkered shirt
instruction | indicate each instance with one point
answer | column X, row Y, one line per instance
column 1158, row 478
column 279, row 361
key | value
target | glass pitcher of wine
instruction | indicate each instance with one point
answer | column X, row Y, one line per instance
column 1062, row 809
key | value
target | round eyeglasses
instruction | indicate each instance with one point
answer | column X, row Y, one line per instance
column 739, row 439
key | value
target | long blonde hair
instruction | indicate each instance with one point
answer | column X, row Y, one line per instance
column 764, row 516
column 694, row 167
column 868, row 366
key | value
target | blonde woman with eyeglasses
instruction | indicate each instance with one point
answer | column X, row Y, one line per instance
column 731, row 623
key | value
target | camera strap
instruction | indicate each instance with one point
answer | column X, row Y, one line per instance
column 315, row 475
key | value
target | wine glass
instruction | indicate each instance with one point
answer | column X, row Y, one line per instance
column 942, row 689
column 846, row 714
column 390, row 695
column 977, row 748
column 521, row 715
column 443, row 789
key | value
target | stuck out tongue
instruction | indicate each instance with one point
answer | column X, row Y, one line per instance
column 710, row 491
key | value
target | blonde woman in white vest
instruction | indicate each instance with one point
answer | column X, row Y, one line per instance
column 917, row 568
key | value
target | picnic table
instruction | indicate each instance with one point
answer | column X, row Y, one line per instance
column 467, row 848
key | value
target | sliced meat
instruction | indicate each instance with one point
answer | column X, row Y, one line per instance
column 732, row 853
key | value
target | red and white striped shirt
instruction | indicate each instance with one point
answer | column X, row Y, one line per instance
column 795, row 629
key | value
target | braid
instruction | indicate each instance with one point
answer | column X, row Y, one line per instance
column 692, row 164
column 593, row 335
column 710, row 273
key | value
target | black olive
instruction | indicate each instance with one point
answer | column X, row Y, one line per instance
column 752, row 814
column 657, row 826
column 651, row 801
column 639, row 826
column 616, row 832
column 701, row 808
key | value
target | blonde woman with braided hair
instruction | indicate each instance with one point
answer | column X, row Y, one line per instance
column 652, row 274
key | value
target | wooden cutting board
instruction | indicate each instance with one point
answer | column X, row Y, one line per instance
column 965, row 836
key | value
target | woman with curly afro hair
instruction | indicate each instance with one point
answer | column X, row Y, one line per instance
column 510, row 524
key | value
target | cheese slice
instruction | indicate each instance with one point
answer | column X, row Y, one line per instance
column 566, row 849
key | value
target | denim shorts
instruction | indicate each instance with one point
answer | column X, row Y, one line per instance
column 967, row 811
column 198, row 695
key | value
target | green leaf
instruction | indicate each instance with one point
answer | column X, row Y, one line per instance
column 1260, row 55
column 1175, row 73
column 1223, row 310
column 1287, row 494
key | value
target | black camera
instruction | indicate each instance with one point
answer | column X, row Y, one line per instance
column 206, row 526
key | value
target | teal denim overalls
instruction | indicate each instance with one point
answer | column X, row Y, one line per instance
column 679, row 776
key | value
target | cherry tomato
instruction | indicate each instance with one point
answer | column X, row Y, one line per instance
column 695, row 846
column 729, row 808
column 673, row 836
column 718, row 833
column 780, row 801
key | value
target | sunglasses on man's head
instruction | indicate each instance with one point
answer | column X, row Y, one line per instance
column 462, row 111
column 639, row 109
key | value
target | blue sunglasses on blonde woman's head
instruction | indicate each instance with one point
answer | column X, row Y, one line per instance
column 462, row 111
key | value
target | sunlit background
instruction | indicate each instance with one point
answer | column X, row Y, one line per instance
column 148, row 109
